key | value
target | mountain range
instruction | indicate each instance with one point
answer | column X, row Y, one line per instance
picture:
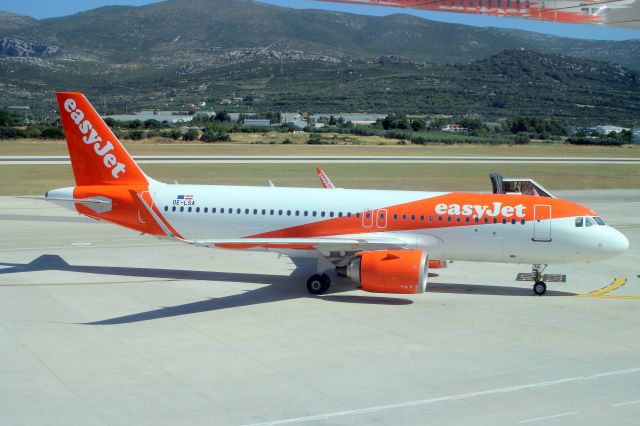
column 177, row 51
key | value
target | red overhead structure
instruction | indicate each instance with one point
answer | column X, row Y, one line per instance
column 614, row 13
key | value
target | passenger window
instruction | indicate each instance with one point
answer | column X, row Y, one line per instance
column 246, row 211
column 395, row 216
column 368, row 215
column 381, row 215
column 288, row 212
column 513, row 221
column 348, row 214
column 404, row 217
column 206, row 210
column 189, row 209
column 230, row 211
column 322, row 214
column 297, row 212
column 522, row 222
column 271, row 212
column 314, row 213
column 579, row 222
column 181, row 209
column 358, row 215
column 430, row 218
column 413, row 217
column 599, row 220
column 339, row 214
column 197, row 209
column 422, row 218
column 486, row 220
column 476, row 220
column 467, row 219
column 255, row 211
column 279, row 212
column 504, row 221
column 213, row 209
column 458, row 219
column 166, row 208
column 495, row 220
column 448, row 218
column 306, row 212
column 330, row 214
column 588, row 222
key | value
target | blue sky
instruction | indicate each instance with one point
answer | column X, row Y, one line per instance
column 48, row 8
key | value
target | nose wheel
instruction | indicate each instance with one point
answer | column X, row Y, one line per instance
column 540, row 288
column 318, row 284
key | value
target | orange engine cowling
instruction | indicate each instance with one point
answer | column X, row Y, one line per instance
column 391, row 271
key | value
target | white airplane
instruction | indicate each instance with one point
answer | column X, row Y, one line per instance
column 385, row 240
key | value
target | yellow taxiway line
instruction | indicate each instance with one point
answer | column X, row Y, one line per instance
column 602, row 293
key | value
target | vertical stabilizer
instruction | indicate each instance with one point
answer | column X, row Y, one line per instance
column 97, row 156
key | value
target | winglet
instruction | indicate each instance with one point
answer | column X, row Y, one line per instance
column 326, row 182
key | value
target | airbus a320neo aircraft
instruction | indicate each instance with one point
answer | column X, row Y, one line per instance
column 385, row 240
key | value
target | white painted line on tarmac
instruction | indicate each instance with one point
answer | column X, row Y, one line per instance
column 85, row 247
column 537, row 419
column 469, row 395
column 622, row 404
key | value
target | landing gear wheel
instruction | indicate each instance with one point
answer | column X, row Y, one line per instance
column 318, row 284
column 326, row 282
column 540, row 288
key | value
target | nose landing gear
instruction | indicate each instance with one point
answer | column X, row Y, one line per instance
column 539, row 286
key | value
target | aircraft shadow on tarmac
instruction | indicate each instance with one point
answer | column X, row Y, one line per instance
column 278, row 287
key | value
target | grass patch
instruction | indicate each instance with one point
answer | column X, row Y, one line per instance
column 37, row 179
column 365, row 147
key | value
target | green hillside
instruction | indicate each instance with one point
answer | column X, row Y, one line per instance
column 178, row 51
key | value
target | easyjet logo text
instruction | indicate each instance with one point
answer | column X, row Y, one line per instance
column 91, row 137
column 496, row 209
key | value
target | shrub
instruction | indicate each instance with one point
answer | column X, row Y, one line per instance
column 52, row 133
column 211, row 135
column 136, row 135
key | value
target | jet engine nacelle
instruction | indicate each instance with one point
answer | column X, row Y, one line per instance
column 390, row 271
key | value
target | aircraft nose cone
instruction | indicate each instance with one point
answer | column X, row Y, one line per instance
column 617, row 243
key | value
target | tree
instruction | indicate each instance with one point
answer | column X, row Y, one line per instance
column 191, row 135
column 152, row 124
column 222, row 117
column 418, row 124
column 136, row 124
column 6, row 119
column 52, row 133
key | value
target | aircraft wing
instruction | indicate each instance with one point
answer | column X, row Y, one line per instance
column 613, row 13
column 314, row 243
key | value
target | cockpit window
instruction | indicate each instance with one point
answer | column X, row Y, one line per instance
column 588, row 222
column 599, row 220
column 579, row 222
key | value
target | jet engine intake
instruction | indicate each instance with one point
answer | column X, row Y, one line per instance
column 391, row 271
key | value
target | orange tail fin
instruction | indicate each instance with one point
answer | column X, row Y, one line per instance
column 97, row 156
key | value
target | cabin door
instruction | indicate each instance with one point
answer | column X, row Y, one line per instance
column 542, row 223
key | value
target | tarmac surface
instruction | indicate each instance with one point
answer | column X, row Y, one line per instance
column 101, row 326
column 296, row 159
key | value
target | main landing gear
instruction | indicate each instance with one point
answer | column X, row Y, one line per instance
column 539, row 286
column 318, row 284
